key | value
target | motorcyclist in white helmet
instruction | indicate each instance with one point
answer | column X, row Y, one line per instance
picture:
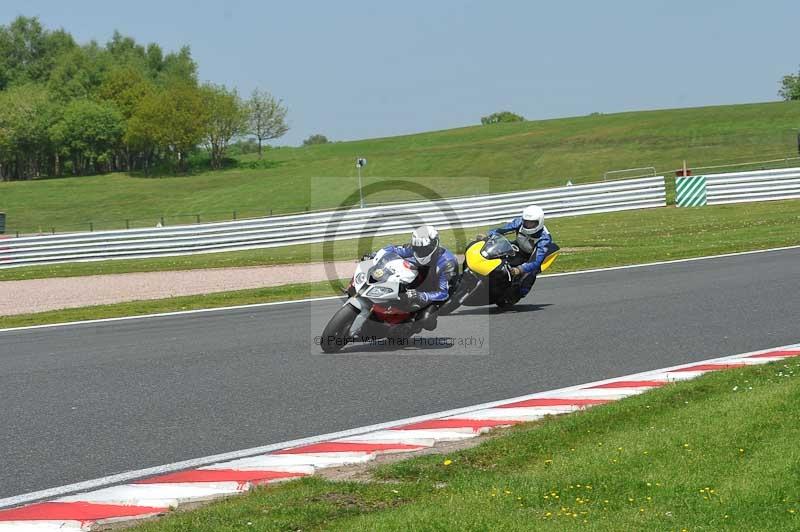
column 535, row 244
column 437, row 267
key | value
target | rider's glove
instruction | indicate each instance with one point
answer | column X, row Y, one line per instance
column 414, row 297
column 516, row 272
column 367, row 256
column 480, row 236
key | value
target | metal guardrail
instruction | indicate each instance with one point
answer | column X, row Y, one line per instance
column 738, row 187
column 330, row 225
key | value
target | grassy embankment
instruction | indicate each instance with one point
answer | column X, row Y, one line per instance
column 461, row 161
column 717, row 453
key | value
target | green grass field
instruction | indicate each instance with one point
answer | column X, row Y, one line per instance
column 716, row 453
column 461, row 161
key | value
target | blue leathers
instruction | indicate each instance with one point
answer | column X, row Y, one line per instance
column 536, row 246
column 434, row 286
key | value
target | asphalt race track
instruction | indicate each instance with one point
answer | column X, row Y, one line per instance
column 85, row 401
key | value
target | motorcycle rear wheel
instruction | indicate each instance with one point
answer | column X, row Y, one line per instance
column 337, row 328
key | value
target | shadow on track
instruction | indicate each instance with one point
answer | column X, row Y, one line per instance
column 487, row 310
column 415, row 343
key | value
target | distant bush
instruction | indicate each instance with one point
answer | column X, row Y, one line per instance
column 502, row 116
column 243, row 146
column 256, row 164
column 790, row 87
column 316, row 139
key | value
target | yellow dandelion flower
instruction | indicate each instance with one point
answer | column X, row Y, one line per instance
column 447, row 462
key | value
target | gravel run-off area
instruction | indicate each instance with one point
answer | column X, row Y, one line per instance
column 39, row 295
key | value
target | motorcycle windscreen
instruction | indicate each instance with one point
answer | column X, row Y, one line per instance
column 477, row 262
column 498, row 246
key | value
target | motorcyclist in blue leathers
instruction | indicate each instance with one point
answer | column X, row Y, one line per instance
column 437, row 268
column 535, row 244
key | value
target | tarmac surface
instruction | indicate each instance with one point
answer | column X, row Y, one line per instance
column 86, row 401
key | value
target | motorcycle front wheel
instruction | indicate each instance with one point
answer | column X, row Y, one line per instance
column 336, row 332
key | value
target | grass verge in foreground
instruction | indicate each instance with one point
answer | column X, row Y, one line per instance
column 173, row 304
column 597, row 240
column 716, row 453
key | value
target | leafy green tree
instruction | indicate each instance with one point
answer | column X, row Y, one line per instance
column 172, row 122
column 154, row 58
column 227, row 119
column 79, row 72
column 178, row 68
column 28, row 52
column 502, row 116
column 26, row 115
column 125, row 86
column 790, row 87
column 266, row 118
column 315, row 139
column 88, row 134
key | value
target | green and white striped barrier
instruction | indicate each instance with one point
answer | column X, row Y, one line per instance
column 690, row 191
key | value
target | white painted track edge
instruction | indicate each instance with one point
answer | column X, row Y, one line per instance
column 204, row 461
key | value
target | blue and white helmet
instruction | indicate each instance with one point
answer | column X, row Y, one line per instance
column 424, row 242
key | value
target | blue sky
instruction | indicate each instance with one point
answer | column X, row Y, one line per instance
column 357, row 69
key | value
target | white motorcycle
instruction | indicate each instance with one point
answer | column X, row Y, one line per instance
column 376, row 307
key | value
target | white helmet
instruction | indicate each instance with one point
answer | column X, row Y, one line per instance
column 424, row 242
column 532, row 220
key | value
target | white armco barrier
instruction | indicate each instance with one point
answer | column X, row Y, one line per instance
column 330, row 225
column 761, row 185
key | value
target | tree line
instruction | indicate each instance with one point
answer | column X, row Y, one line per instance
column 71, row 109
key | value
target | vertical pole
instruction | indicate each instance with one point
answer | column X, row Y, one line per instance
column 360, row 192
column 127, row 223
column 91, row 226
column 684, row 168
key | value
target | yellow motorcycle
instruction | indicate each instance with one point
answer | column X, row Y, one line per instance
column 487, row 277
